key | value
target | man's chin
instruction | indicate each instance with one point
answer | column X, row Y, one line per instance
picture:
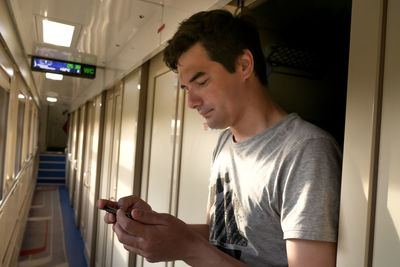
column 215, row 125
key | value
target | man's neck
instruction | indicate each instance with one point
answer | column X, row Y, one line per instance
column 259, row 114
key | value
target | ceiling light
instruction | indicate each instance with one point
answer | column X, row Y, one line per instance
column 51, row 99
column 21, row 96
column 54, row 76
column 57, row 33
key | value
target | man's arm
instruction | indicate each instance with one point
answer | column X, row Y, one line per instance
column 310, row 253
column 163, row 237
column 202, row 229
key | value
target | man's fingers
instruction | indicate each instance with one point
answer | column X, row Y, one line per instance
column 149, row 220
column 130, row 202
column 125, row 203
column 134, row 250
column 149, row 217
column 104, row 202
column 125, row 238
column 109, row 218
column 130, row 226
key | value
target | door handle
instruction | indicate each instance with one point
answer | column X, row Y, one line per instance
column 86, row 182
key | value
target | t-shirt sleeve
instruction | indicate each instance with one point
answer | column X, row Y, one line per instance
column 311, row 191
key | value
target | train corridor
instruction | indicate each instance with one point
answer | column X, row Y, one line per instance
column 51, row 237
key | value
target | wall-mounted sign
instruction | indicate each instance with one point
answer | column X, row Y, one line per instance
column 63, row 67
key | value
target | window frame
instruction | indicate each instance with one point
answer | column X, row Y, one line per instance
column 19, row 137
column 4, row 104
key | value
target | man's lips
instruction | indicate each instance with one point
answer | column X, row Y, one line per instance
column 205, row 112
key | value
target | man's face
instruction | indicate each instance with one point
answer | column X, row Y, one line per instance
column 211, row 89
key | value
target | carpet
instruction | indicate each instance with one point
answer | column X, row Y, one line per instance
column 44, row 243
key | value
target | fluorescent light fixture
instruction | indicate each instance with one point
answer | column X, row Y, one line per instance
column 51, row 99
column 54, row 76
column 21, row 96
column 57, row 33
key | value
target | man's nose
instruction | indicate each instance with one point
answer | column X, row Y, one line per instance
column 193, row 100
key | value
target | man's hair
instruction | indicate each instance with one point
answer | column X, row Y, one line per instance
column 224, row 38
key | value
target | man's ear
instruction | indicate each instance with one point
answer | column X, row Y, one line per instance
column 245, row 64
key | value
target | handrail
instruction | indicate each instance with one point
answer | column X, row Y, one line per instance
column 16, row 179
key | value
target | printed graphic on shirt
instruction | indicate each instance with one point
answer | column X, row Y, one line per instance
column 224, row 231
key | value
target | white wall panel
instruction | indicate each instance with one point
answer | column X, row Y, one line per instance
column 157, row 67
column 109, row 252
column 197, row 150
column 10, row 35
column 103, row 231
column 119, row 255
column 130, row 108
column 92, row 181
column 80, row 164
column 162, row 142
column 359, row 141
column 387, row 223
column 74, row 139
column 84, row 226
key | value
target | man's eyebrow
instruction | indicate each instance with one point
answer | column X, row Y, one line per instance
column 197, row 75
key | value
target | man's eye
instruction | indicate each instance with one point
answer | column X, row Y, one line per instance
column 202, row 83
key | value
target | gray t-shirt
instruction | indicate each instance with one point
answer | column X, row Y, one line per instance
column 282, row 183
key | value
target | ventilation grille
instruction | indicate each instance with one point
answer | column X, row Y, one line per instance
column 305, row 62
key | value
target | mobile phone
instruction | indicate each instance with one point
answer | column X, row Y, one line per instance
column 114, row 211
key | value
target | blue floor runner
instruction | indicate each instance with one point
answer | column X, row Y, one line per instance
column 73, row 239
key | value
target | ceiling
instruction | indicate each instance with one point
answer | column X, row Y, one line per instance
column 105, row 27
column 107, row 30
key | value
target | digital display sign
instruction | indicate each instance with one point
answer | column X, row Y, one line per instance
column 63, row 67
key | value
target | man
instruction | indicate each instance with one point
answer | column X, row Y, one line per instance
column 275, row 179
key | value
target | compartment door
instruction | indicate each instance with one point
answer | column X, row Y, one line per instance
column 89, row 179
column 127, row 152
column 163, row 138
column 80, row 160
column 108, row 177
column 197, row 149
column 72, row 156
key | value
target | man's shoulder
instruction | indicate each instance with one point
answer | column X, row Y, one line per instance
column 299, row 134
column 300, row 129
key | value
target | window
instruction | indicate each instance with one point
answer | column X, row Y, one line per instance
column 4, row 98
column 28, row 106
column 20, row 134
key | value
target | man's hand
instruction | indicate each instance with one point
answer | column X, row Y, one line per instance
column 155, row 236
column 127, row 204
column 163, row 237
